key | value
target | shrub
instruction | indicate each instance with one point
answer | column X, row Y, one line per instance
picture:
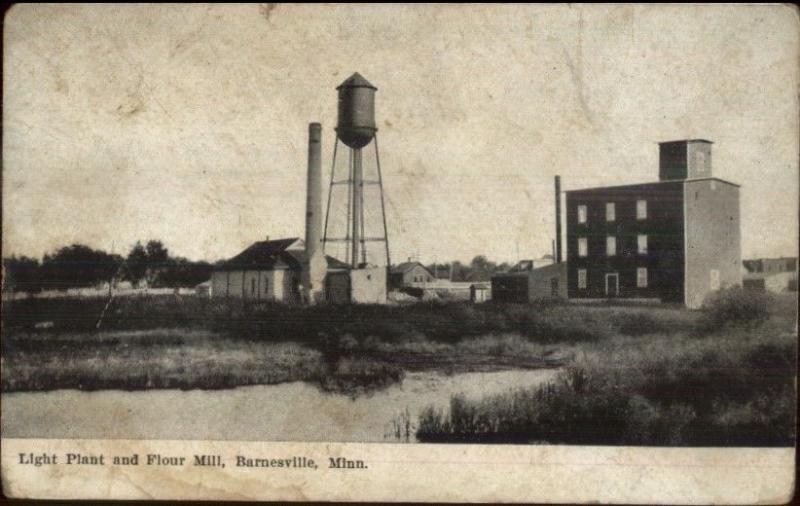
column 637, row 323
column 723, row 389
column 353, row 376
column 734, row 306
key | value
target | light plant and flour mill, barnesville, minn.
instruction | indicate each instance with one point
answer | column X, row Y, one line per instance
column 622, row 288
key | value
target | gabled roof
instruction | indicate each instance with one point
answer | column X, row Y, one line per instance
column 335, row 263
column 267, row 255
column 407, row 266
column 263, row 255
column 356, row 81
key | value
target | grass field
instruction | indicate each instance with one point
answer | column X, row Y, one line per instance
column 188, row 342
column 631, row 375
column 715, row 384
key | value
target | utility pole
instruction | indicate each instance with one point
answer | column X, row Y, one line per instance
column 558, row 219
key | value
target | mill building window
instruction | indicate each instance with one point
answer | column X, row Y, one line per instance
column 611, row 246
column 641, row 209
column 611, row 211
column 582, row 279
column 583, row 247
column 641, row 243
column 641, row 277
column 581, row 214
column 714, row 279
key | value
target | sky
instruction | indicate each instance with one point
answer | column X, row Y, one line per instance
column 188, row 124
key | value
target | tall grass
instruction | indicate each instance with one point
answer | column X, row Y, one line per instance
column 441, row 322
column 171, row 341
column 733, row 386
column 636, row 375
column 177, row 358
column 182, row 342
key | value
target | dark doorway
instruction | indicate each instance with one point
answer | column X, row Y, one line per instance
column 612, row 285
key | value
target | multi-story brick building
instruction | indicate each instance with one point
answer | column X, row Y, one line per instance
column 675, row 240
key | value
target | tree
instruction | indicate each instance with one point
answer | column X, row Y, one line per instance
column 157, row 254
column 21, row 274
column 147, row 262
column 136, row 264
column 481, row 269
column 81, row 266
column 459, row 271
column 182, row 272
column 77, row 266
column 479, row 262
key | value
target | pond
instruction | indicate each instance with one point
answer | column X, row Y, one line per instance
column 285, row 412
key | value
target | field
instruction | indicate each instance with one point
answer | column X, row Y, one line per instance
column 629, row 375
column 714, row 384
column 187, row 342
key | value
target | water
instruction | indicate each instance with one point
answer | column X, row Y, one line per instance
column 286, row 412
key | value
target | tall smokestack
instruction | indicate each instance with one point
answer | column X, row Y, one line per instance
column 558, row 220
column 314, row 189
column 314, row 265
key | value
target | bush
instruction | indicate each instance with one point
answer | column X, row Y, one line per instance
column 637, row 323
column 354, row 376
column 734, row 306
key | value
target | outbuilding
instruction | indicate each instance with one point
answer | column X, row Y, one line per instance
column 771, row 274
column 267, row 270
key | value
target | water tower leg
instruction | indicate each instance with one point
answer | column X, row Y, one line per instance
column 358, row 212
column 330, row 192
column 383, row 210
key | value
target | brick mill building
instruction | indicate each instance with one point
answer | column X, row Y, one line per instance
column 674, row 240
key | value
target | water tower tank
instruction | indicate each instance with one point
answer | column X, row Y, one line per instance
column 356, row 124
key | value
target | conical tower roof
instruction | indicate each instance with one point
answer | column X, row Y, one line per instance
column 356, row 81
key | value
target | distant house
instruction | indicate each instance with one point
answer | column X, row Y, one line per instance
column 410, row 274
column 771, row 265
column 267, row 270
column 770, row 274
column 480, row 292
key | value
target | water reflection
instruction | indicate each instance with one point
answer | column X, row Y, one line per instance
column 286, row 412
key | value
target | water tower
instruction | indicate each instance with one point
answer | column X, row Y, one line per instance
column 359, row 182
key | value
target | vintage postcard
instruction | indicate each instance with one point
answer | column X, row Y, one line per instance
column 428, row 253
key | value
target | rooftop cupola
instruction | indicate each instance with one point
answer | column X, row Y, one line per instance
column 686, row 159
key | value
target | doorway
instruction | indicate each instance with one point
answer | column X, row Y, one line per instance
column 612, row 285
column 554, row 287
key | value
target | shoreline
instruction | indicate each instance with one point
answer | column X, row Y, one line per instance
column 405, row 362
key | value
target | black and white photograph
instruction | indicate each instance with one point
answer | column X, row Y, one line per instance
column 399, row 228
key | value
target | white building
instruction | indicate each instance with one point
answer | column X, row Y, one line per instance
column 272, row 271
column 267, row 270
